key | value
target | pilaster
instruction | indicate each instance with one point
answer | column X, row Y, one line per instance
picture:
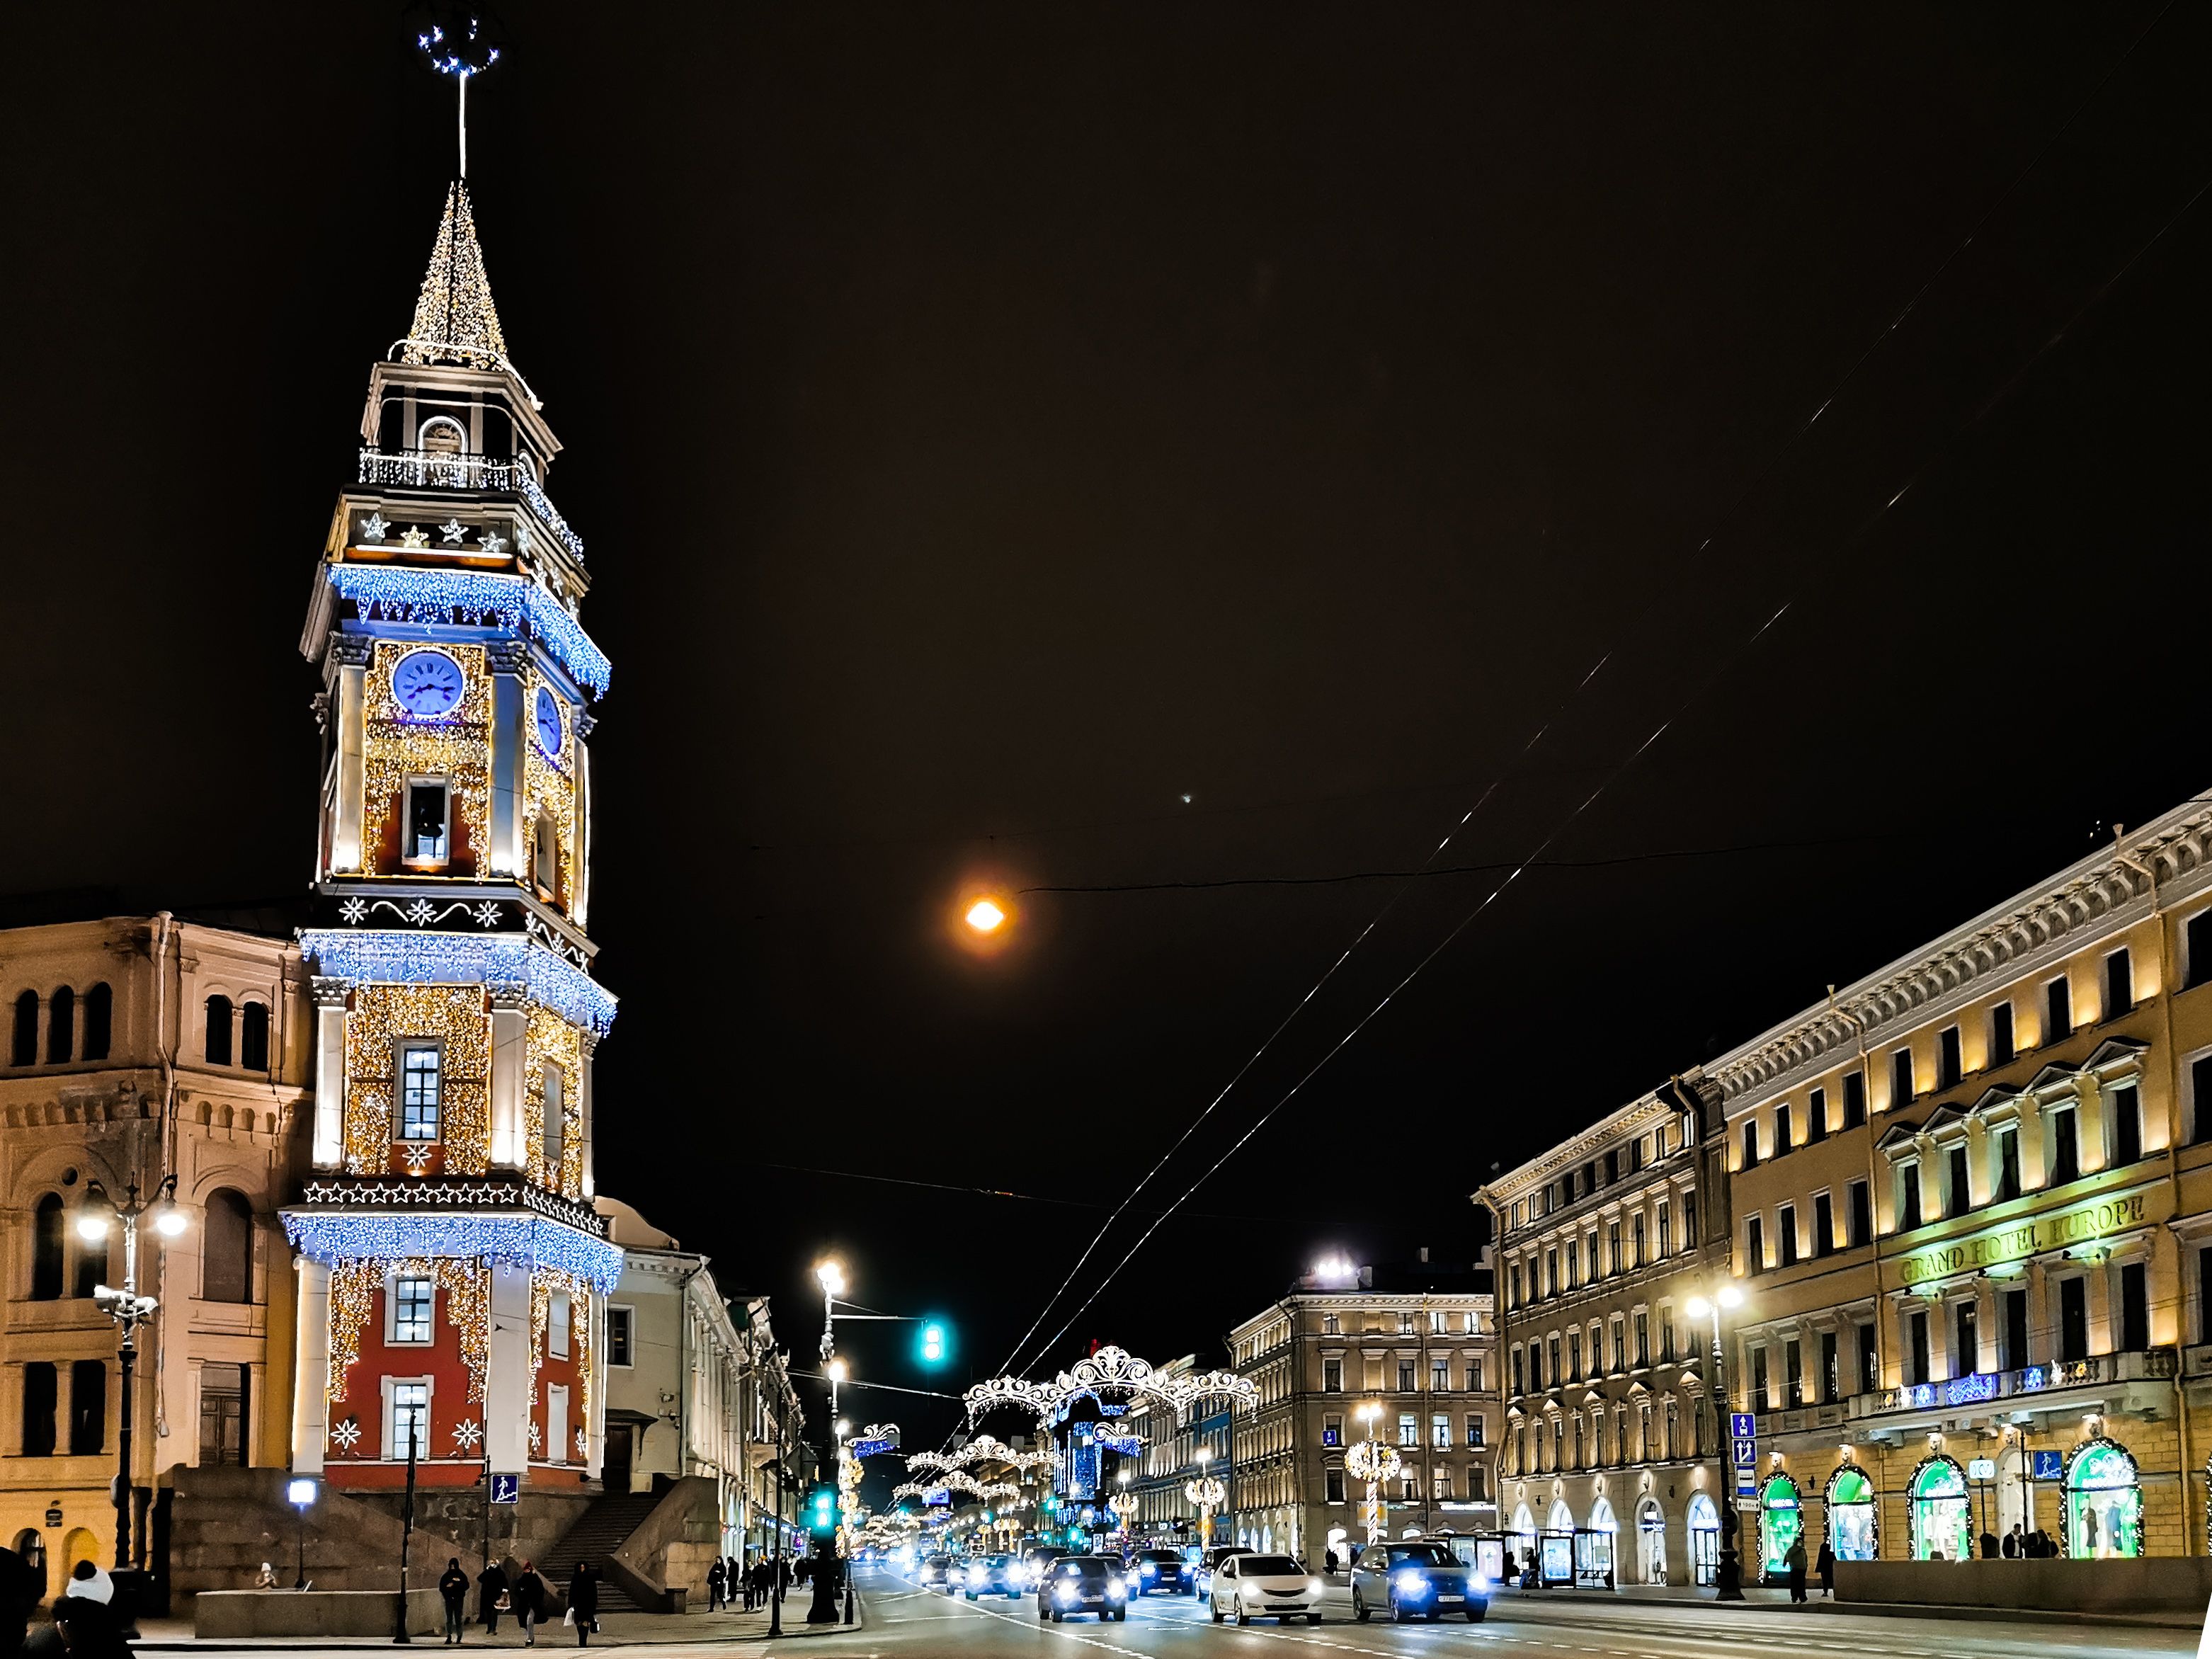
column 510, row 1052
column 350, row 654
column 330, row 994
column 506, row 1377
column 311, row 1430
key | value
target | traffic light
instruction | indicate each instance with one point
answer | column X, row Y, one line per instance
column 935, row 1345
column 824, row 1507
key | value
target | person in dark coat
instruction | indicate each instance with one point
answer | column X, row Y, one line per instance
column 20, row 1590
column 584, row 1602
column 528, row 1595
column 2011, row 1543
column 491, row 1585
column 734, row 1577
column 1989, row 1545
column 86, row 1623
column 1793, row 1559
column 718, row 1580
column 453, row 1590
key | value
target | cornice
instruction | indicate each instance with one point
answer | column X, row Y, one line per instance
column 1618, row 1126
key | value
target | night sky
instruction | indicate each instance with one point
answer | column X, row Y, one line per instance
column 990, row 425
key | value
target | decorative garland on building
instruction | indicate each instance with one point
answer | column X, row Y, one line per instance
column 436, row 959
column 553, row 1041
column 383, row 1016
column 354, row 1286
column 397, row 745
column 476, row 599
column 532, row 1242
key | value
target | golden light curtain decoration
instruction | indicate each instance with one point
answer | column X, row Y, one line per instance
column 544, row 1283
column 554, row 1041
column 466, row 1281
column 382, row 1017
column 547, row 787
column 354, row 1287
column 395, row 745
column 455, row 321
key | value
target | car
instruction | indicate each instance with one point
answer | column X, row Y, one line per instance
column 1036, row 1560
column 1161, row 1570
column 1084, row 1583
column 1201, row 1577
column 1413, row 1579
column 1250, row 1585
column 937, row 1573
column 994, row 1575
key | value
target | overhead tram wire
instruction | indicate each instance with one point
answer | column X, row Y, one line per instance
column 1296, row 1008
column 1806, row 576
column 1774, row 462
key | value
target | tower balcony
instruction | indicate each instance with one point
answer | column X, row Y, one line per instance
column 430, row 469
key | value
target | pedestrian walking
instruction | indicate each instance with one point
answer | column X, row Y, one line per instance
column 453, row 1591
column 1989, row 1544
column 2011, row 1543
column 751, row 1585
column 1794, row 1559
column 1826, row 1566
column 734, row 1580
column 718, row 1580
column 492, row 1598
column 584, row 1602
column 1328, row 1561
column 528, row 1594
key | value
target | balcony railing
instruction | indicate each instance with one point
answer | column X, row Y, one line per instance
column 428, row 469
column 2134, row 1366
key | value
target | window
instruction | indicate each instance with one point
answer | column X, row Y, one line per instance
column 1783, row 1136
column 1824, row 1224
column 422, row 1091
column 23, row 1050
column 98, row 1021
column 1908, row 1195
column 1575, row 1356
column 1589, row 1255
column 2135, row 1308
column 1404, row 1322
column 1405, row 1376
column 557, row 1325
column 620, row 1335
column 1785, row 1234
column 2200, row 1091
column 441, row 435
column 2001, row 1047
column 1475, row 1377
column 2058, row 1010
column 1950, row 1066
column 1862, row 1214
column 1689, row 1221
column 544, row 864
column 1642, row 1337
column 2065, row 1147
column 254, row 1036
column 1664, row 1250
column 411, row 1300
column 2196, row 941
column 1636, row 1257
column 1816, row 1115
column 1332, row 1326
column 423, row 840
column 217, row 1044
column 1869, row 1361
column 409, row 1426
column 2005, row 1156
column 1613, row 1247
column 1439, row 1323
column 1900, row 1079
column 1474, row 1429
column 1968, row 1321
column 1619, row 1345
column 2073, row 1319
column 1440, row 1432
column 1518, row 1387
column 1916, row 1336
column 1331, row 1377
column 1758, row 1400
column 61, row 1027
column 1335, row 1479
column 1854, row 1099
column 1958, row 1192
column 2014, row 1303
column 1793, row 1373
column 1750, row 1145
column 1409, row 1429
column 88, row 1407
column 227, row 1248
column 48, row 1250
column 1831, row 1374
column 1440, row 1376
column 557, row 1124
column 42, row 1398
column 1552, row 1347
column 2123, row 1112
column 2119, row 984
column 1754, row 1244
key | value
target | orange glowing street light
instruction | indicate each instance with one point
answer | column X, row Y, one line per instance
column 985, row 916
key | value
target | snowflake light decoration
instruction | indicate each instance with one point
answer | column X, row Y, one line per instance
column 487, row 913
column 492, row 543
column 469, row 1435
column 536, row 1436
column 583, row 1444
column 353, row 910
column 346, row 1435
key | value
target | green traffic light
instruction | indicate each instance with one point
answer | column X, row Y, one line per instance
column 936, row 1344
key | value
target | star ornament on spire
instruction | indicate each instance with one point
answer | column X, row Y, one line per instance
column 462, row 42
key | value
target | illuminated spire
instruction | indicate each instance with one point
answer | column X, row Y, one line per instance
column 455, row 321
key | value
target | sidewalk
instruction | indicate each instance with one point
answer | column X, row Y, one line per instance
column 616, row 1629
column 1761, row 1598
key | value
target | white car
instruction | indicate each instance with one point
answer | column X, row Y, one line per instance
column 1249, row 1587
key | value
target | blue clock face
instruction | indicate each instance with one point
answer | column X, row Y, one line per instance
column 549, row 722
column 429, row 684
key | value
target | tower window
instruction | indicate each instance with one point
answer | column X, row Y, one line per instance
column 410, row 1421
column 442, row 434
column 88, row 1406
column 254, row 1036
column 2058, row 1010
column 427, row 819
column 99, row 1020
column 410, row 1310
column 557, row 1326
column 227, row 1248
column 421, row 1090
column 555, row 1125
column 48, row 1250
column 23, row 1050
column 41, row 1397
column 61, row 1027
column 543, row 857
column 218, row 1032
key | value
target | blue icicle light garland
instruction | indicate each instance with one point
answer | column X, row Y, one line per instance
column 529, row 1241
column 427, row 958
column 476, row 599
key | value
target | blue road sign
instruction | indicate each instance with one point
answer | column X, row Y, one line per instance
column 2048, row 1466
column 505, row 1488
column 1743, row 1452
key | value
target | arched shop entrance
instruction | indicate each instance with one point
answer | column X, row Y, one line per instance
column 1651, row 1542
column 1705, row 1539
column 1854, row 1520
column 2102, row 1516
column 1781, row 1523
column 1522, row 1537
column 1940, row 1512
column 1594, row 1548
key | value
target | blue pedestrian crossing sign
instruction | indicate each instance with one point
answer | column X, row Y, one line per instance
column 2048, row 1466
column 505, row 1488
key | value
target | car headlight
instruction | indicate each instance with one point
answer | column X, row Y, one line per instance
column 1313, row 1586
column 1411, row 1583
column 1479, row 1582
column 1068, row 1592
column 1114, row 1587
column 1148, row 1569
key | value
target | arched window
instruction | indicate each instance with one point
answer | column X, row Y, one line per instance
column 24, row 1050
column 91, row 1265
column 254, row 1036
column 442, row 434
column 46, row 1248
column 61, row 1027
column 2104, row 1502
column 1941, row 1515
column 1652, row 1542
column 218, row 1031
column 1705, row 1530
column 98, row 1021
column 227, row 1248
column 1781, row 1523
column 1851, row 1515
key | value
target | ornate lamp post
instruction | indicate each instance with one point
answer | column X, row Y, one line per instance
column 1208, row 1493
column 96, row 1216
column 1729, row 1576
column 1374, row 1462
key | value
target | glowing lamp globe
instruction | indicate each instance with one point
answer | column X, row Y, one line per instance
column 984, row 916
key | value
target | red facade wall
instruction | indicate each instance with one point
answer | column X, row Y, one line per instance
column 447, row 1464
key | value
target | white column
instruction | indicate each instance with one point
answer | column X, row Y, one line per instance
column 507, row 1375
column 508, row 659
column 352, row 653
column 510, row 1053
column 591, row 1044
column 329, row 995
column 595, row 1309
column 311, row 1428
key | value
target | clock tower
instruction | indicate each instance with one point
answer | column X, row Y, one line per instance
column 453, row 1273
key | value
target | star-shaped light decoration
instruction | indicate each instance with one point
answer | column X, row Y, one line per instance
column 372, row 527
column 583, row 1444
column 536, row 1437
column 413, row 537
column 467, row 1435
column 421, row 911
column 346, row 1435
column 487, row 913
column 492, row 542
column 452, row 530
column 353, row 910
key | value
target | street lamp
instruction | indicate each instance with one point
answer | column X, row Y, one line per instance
column 300, row 1495
column 1374, row 1462
column 1729, row 1585
column 97, row 1214
column 985, row 915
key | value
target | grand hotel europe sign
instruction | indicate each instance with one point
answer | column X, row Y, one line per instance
column 2083, row 1224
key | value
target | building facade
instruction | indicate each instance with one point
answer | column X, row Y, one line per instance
column 1179, row 1448
column 1407, row 1354
column 140, row 1047
column 452, row 1272
column 1607, row 1463
column 1973, row 1223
